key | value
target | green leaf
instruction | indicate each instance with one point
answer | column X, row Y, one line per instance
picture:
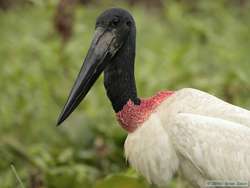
column 121, row 181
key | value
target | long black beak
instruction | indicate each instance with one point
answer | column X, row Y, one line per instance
column 100, row 52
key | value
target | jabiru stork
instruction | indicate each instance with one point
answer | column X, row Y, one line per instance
column 187, row 130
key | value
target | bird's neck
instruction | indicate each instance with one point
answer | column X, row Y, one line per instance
column 133, row 116
column 119, row 79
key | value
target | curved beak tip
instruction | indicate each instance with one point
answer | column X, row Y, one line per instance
column 63, row 115
column 60, row 120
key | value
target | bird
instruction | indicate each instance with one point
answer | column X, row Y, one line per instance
column 187, row 130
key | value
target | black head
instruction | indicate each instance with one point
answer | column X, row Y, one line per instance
column 113, row 28
column 116, row 18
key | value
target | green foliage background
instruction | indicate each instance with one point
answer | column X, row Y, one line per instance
column 205, row 45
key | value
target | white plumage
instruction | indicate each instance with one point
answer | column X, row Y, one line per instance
column 191, row 131
column 197, row 133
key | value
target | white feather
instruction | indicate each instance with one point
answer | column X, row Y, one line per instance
column 203, row 136
column 218, row 147
column 150, row 151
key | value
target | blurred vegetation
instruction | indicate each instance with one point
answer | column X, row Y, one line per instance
column 201, row 44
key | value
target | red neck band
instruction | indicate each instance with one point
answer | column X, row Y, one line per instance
column 132, row 116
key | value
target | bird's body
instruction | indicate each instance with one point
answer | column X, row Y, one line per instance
column 197, row 133
column 204, row 137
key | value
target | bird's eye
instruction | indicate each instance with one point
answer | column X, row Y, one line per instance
column 115, row 21
column 128, row 23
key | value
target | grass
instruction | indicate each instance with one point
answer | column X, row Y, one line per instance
column 206, row 47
